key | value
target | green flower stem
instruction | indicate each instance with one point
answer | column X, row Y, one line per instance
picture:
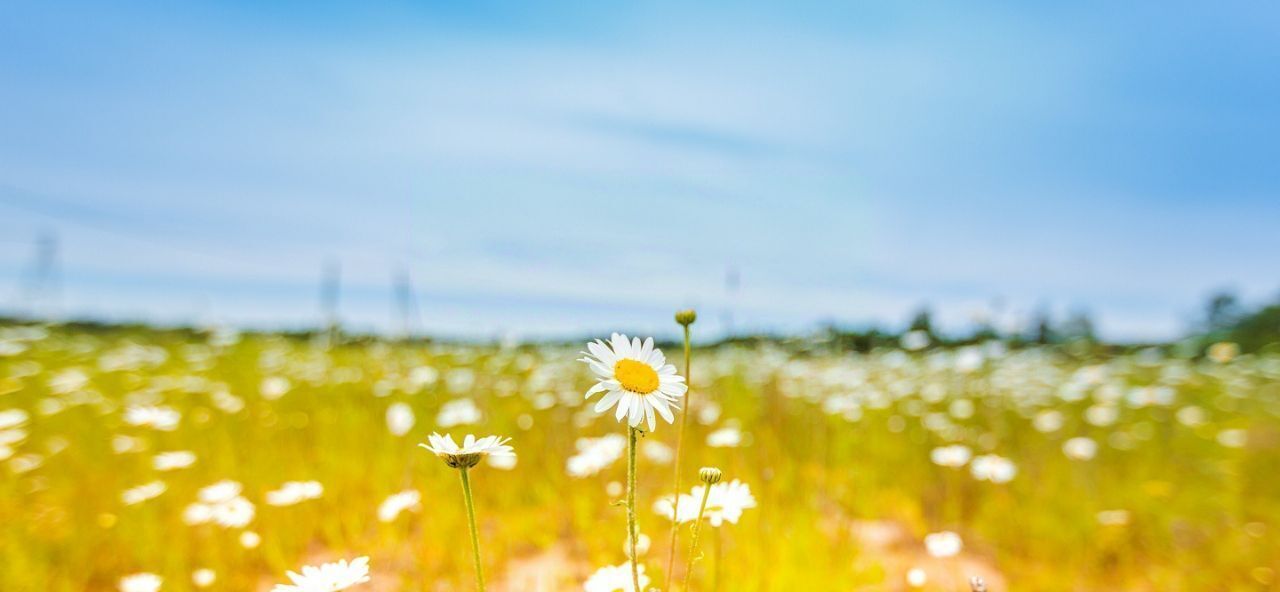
column 684, row 421
column 697, row 526
column 471, row 517
column 631, row 506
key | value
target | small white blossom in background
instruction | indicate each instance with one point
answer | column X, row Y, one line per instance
column 295, row 492
column 502, row 463
column 13, row 418
column 1113, row 517
column 330, row 577
column 665, row 506
column 954, row 456
column 595, row 454
column 642, row 544
column 250, row 539
column 1223, row 352
column 222, row 504
column 993, row 468
column 140, row 582
column 391, row 508
column 1048, row 421
column 165, row 419
column 943, row 544
column 726, row 437
column 274, row 387
column 915, row 340
column 726, row 501
column 142, row 493
column 400, row 418
column 203, row 577
column 1233, row 438
column 458, row 412
column 122, row 444
column 615, row 578
column 657, row 452
column 917, row 578
column 1080, row 448
column 169, row 461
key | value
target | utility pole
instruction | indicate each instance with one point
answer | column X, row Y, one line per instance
column 330, row 287
column 40, row 292
column 404, row 306
column 732, row 282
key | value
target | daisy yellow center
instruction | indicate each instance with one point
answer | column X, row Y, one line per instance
column 637, row 377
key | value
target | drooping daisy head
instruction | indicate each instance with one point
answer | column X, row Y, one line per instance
column 330, row 577
column 635, row 377
column 472, row 450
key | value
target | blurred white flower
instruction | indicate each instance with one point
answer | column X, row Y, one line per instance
column 250, row 539
column 274, row 387
column 915, row 340
column 400, row 418
column 1233, row 438
column 13, row 418
column 726, row 437
column 140, row 582
column 725, row 503
column 222, row 504
column 502, row 463
column 391, row 508
column 954, row 456
column 330, row 577
column 943, row 544
column 595, row 454
column 993, row 468
column 169, row 461
column 203, row 577
column 294, row 492
column 142, row 493
column 153, row 416
column 657, row 452
column 1113, row 517
column 458, row 412
column 1080, row 448
column 917, row 578
column 615, row 578
column 1048, row 421
column 635, row 378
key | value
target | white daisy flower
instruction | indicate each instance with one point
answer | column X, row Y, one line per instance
column 471, row 451
column 140, row 582
column 993, row 468
column 614, row 578
column 636, row 377
column 943, row 544
column 726, row 502
column 399, row 502
column 142, row 493
column 295, row 492
column 330, row 577
column 169, row 461
column 203, row 577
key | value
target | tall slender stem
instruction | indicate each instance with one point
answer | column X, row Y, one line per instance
column 471, row 517
column 631, row 507
column 697, row 526
column 684, row 421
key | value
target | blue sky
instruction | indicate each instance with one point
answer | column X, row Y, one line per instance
column 552, row 169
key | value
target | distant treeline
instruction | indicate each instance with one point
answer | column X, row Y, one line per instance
column 1225, row 318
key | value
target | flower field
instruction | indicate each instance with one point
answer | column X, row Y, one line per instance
column 137, row 459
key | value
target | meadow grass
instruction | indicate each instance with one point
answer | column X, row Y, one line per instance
column 1182, row 494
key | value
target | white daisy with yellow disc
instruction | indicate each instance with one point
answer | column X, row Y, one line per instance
column 635, row 377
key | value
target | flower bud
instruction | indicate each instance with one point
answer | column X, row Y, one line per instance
column 686, row 317
column 710, row 475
